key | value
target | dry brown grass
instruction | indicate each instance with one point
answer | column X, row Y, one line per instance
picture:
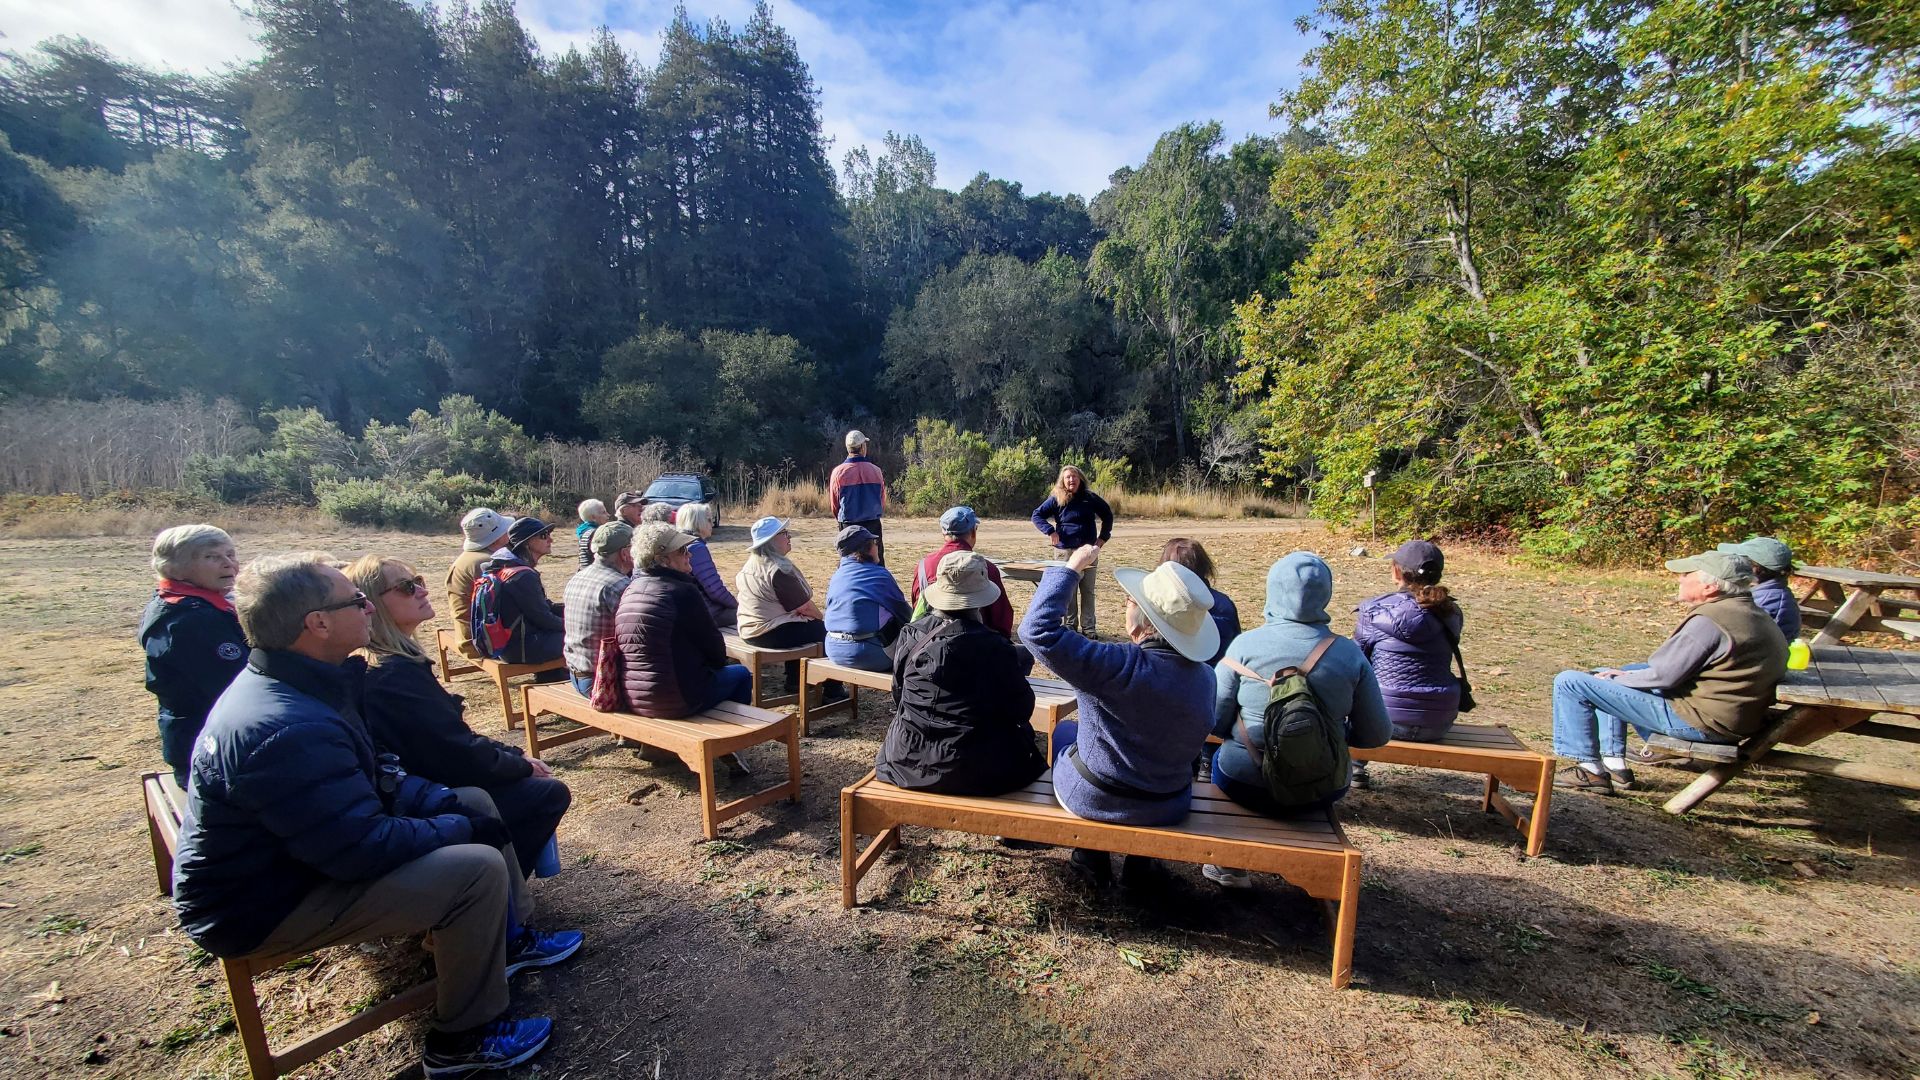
column 801, row 498
column 1209, row 504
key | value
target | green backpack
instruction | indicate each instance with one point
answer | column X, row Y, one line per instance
column 1306, row 761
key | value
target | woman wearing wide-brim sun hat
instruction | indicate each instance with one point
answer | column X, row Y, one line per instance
column 776, row 603
column 1145, row 705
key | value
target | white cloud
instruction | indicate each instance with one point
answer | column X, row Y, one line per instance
column 1055, row 95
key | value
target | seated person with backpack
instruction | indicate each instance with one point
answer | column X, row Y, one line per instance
column 1313, row 685
column 510, row 616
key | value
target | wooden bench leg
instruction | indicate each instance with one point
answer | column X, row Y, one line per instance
column 162, row 855
column 1493, row 790
column 1346, row 922
column 806, row 699
column 793, row 763
column 506, row 698
column 709, row 820
column 1751, row 751
column 246, row 1019
column 1542, row 803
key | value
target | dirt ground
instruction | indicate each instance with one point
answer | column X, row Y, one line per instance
column 1774, row 933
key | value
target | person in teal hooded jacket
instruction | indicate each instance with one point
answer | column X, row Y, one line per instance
column 1299, row 587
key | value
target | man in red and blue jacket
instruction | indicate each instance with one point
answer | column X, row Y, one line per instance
column 858, row 492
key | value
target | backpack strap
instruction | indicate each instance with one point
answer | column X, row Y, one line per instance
column 1305, row 667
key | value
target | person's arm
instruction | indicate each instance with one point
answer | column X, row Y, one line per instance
column 701, row 629
column 410, row 714
column 305, row 785
column 791, row 593
column 190, row 655
column 1679, row 658
column 708, row 575
column 1072, row 656
column 833, row 490
column 1043, row 515
column 1368, row 725
column 536, row 610
column 1105, row 514
column 1226, row 696
column 893, row 602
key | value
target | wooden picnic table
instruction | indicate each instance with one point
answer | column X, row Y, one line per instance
column 1025, row 569
column 1866, row 608
column 1842, row 690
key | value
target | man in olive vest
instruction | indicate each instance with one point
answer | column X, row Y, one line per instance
column 1712, row 681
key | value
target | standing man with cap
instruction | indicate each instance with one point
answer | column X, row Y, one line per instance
column 1145, row 704
column 486, row 533
column 535, row 625
column 865, row 610
column 1711, row 681
column 1772, row 566
column 962, row 528
column 858, row 492
column 591, row 598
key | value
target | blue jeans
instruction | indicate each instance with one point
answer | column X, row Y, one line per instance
column 730, row 683
column 867, row 655
column 583, row 683
column 1591, row 714
column 1064, row 733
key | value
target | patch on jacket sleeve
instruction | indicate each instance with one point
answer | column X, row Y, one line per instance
column 228, row 651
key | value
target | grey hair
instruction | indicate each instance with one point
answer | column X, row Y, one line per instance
column 694, row 517
column 591, row 507
column 656, row 512
column 275, row 593
column 1722, row 585
column 174, row 549
column 650, row 543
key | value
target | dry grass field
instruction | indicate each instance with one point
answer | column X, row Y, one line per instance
column 1774, row 933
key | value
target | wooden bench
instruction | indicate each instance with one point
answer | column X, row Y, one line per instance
column 500, row 672
column 697, row 740
column 166, row 805
column 1495, row 752
column 757, row 658
column 1052, row 699
column 1312, row 853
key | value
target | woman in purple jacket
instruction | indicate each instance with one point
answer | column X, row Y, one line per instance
column 696, row 519
column 1409, row 637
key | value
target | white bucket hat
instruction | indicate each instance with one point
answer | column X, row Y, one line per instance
column 1177, row 603
column 482, row 526
column 764, row 530
column 962, row 582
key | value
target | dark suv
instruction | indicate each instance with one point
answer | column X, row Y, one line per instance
column 678, row 489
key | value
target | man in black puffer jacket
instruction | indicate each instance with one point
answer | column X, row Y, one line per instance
column 296, row 837
column 672, row 660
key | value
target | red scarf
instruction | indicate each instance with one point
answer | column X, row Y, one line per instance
column 175, row 591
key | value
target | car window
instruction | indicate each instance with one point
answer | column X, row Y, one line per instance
column 674, row 489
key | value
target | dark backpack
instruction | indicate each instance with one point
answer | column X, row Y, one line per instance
column 1306, row 760
column 490, row 613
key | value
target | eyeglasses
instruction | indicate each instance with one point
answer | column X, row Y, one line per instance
column 412, row 586
column 358, row 599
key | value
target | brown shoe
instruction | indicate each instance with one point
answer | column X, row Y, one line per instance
column 1576, row 778
column 1648, row 755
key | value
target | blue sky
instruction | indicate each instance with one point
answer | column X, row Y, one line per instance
column 1054, row 95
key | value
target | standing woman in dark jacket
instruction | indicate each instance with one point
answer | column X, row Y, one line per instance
column 696, row 520
column 1073, row 517
column 963, row 724
column 191, row 634
column 410, row 714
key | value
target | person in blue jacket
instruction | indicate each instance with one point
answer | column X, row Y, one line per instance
column 865, row 608
column 1144, row 705
column 1772, row 566
column 191, row 634
column 1073, row 517
column 1298, row 589
column 696, row 520
column 297, row 837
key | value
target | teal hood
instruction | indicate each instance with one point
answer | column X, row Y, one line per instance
column 1299, row 588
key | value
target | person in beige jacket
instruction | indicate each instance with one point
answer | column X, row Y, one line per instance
column 776, row 603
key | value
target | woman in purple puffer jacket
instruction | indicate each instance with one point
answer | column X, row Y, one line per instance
column 1405, row 636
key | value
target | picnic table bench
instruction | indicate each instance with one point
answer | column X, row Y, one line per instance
column 166, row 807
column 1841, row 690
column 756, row 657
column 1493, row 751
column 698, row 740
column 1052, row 699
column 1825, row 601
column 1312, row 853
column 453, row 662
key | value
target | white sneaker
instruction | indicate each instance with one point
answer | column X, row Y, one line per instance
column 1225, row 878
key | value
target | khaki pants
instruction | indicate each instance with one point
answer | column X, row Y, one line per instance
column 1080, row 614
column 457, row 896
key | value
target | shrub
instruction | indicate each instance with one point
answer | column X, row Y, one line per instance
column 382, row 503
column 1016, row 478
column 945, row 467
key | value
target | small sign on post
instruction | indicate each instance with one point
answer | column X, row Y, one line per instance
column 1373, row 518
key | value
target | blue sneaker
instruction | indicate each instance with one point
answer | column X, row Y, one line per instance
column 500, row 1045
column 538, row 948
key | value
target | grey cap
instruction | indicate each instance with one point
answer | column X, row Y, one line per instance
column 614, row 536
column 1763, row 551
column 1723, row 565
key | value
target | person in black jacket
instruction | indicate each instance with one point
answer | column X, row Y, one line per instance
column 963, row 722
column 673, row 662
column 298, row 837
column 411, row 715
column 191, row 634
column 535, row 624
column 1074, row 517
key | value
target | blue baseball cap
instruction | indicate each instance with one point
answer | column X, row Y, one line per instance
column 959, row 521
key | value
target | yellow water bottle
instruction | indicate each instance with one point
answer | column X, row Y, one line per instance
column 1798, row 655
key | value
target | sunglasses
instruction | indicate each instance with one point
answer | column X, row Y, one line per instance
column 412, row 586
column 358, row 599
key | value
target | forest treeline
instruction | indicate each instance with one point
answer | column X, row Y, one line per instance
column 1609, row 275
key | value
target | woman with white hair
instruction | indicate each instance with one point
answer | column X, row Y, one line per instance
column 191, row 634
column 593, row 514
column 696, row 520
